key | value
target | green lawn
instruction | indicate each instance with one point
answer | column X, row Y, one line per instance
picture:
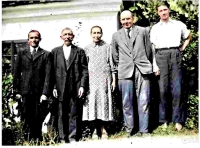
column 160, row 132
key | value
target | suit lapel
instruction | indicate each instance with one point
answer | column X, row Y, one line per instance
column 134, row 33
column 39, row 52
column 72, row 55
column 27, row 53
column 61, row 58
column 123, row 36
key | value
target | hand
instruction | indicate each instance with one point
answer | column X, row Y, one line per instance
column 18, row 96
column 113, row 87
column 181, row 49
column 80, row 92
column 55, row 93
column 157, row 72
column 43, row 97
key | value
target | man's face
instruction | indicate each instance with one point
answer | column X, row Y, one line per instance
column 34, row 39
column 126, row 19
column 67, row 36
column 96, row 34
column 163, row 12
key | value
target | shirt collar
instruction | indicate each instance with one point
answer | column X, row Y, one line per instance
column 127, row 29
column 169, row 21
column 34, row 48
column 66, row 47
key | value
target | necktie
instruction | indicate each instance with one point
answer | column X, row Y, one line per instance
column 128, row 33
column 33, row 52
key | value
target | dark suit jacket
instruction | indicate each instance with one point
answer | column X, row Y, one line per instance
column 137, row 52
column 72, row 78
column 32, row 74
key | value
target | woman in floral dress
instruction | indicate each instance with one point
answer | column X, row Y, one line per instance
column 98, row 106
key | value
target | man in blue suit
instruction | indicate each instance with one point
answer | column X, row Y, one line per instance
column 132, row 54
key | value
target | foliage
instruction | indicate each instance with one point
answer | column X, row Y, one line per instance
column 187, row 12
column 11, row 130
column 193, row 118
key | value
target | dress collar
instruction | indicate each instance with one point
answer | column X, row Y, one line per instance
column 100, row 43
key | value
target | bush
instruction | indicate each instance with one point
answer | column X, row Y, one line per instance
column 11, row 129
column 193, row 116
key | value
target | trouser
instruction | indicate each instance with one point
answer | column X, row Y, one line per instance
column 135, row 93
column 69, row 119
column 32, row 119
column 170, row 84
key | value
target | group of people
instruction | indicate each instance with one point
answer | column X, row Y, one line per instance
column 83, row 80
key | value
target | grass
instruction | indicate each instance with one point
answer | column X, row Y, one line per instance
column 49, row 139
column 159, row 132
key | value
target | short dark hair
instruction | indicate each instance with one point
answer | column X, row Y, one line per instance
column 35, row 31
column 163, row 3
column 96, row 27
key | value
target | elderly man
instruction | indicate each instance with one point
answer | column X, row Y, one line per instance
column 31, row 83
column 70, row 71
column 166, row 38
column 132, row 56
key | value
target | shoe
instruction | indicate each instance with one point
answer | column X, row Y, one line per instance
column 138, row 134
column 164, row 126
column 104, row 134
column 62, row 141
column 146, row 134
column 95, row 136
column 128, row 135
column 86, row 138
column 178, row 126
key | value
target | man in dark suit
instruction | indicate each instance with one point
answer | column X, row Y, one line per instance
column 31, row 83
column 132, row 56
column 71, row 81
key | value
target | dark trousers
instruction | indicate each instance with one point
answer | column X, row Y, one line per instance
column 135, row 93
column 69, row 119
column 30, row 108
column 170, row 84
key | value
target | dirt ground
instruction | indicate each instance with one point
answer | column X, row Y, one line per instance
column 149, row 141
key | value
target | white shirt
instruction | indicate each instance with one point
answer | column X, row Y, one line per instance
column 66, row 50
column 126, row 31
column 31, row 49
column 168, row 34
